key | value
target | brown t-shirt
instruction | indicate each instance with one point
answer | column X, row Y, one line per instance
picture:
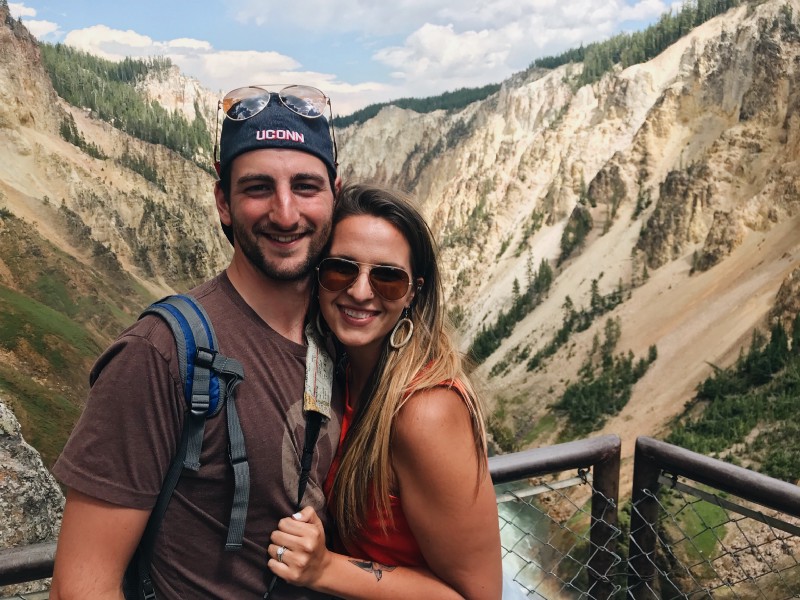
column 128, row 433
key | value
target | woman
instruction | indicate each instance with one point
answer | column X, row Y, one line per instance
column 410, row 489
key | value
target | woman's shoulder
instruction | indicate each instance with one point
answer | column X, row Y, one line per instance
column 433, row 412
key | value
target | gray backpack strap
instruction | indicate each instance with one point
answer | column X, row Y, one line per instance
column 210, row 380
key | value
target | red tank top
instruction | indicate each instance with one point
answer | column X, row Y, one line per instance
column 398, row 546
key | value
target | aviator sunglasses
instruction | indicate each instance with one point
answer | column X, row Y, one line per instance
column 246, row 102
column 337, row 274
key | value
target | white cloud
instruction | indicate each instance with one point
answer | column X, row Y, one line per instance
column 189, row 44
column 646, row 10
column 112, row 44
column 435, row 53
column 218, row 70
column 371, row 18
column 424, row 46
column 43, row 30
column 19, row 10
column 448, row 45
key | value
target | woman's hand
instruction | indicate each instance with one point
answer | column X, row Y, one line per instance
column 304, row 556
column 308, row 563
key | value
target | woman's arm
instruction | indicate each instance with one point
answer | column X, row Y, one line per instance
column 307, row 562
column 452, row 513
column 450, row 509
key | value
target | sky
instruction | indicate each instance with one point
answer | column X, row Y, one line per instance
column 358, row 52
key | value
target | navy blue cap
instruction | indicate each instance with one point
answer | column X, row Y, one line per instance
column 276, row 127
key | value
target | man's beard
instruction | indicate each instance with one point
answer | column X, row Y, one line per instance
column 248, row 243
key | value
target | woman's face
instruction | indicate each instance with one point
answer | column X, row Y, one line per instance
column 358, row 316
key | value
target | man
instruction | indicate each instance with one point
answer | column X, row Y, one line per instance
column 275, row 200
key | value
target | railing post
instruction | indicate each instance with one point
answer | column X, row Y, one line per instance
column 644, row 516
column 604, row 531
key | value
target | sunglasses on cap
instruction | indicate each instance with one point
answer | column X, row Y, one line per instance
column 337, row 274
column 304, row 100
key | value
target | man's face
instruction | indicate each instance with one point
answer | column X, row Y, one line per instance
column 280, row 210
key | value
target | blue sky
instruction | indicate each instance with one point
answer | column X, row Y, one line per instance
column 357, row 51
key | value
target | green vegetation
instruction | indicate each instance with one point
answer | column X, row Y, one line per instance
column 144, row 167
column 503, row 435
column 693, row 535
column 45, row 330
column 489, row 338
column 456, row 314
column 54, row 324
column 516, row 355
column 750, row 409
column 629, row 49
column 450, row 101
column 56, row 346
column 577, row 320
column 532, row 224
column 477, row 221
column 545, row 424
column 577, row 228
column 603, row 388
column 107, row 88
column 69, row 131
column 45, row 415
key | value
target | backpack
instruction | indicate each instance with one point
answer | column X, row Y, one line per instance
column 209, row 381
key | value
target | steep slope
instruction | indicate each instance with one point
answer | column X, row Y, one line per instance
column 85, row 242
column 686, row 167
column 165, row 235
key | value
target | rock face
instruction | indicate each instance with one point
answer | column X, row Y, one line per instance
column 31, row 503
column 167, row 235
column 688, row 165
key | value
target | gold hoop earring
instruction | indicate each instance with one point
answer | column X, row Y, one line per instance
column 404, row 321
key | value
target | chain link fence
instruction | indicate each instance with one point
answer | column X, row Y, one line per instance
column 559, row 533
column 695, row 528
column 719, row 546
column 703, row 528
column 545, row 534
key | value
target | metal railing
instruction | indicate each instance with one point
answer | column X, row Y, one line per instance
column 693, row 540
column 553, row 545
column 26, row 564
column 699, row 527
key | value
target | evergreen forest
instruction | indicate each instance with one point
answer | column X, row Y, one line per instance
column 108, row 89
column 628, row 49
column 450, row 101
column 750, row 408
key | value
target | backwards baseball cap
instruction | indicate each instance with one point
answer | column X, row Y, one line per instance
column 291, row 118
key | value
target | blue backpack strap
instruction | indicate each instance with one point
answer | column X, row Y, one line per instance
column 209, row 382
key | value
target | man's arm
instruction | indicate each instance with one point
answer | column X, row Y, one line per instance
column 96, row 542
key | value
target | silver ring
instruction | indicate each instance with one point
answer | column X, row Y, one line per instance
column 281, row 551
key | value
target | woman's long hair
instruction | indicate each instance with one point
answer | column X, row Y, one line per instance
column 429, row 359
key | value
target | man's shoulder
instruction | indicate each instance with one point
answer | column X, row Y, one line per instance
column 210, row 290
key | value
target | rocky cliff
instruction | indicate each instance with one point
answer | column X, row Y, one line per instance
column 686, row 167
column 165, row 235
column 31, row 503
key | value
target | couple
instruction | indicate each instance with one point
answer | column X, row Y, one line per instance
column 401, row 465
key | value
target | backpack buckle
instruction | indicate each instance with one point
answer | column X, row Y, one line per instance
column 204, row 357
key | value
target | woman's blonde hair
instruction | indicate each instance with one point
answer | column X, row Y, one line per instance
column 429, row 359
